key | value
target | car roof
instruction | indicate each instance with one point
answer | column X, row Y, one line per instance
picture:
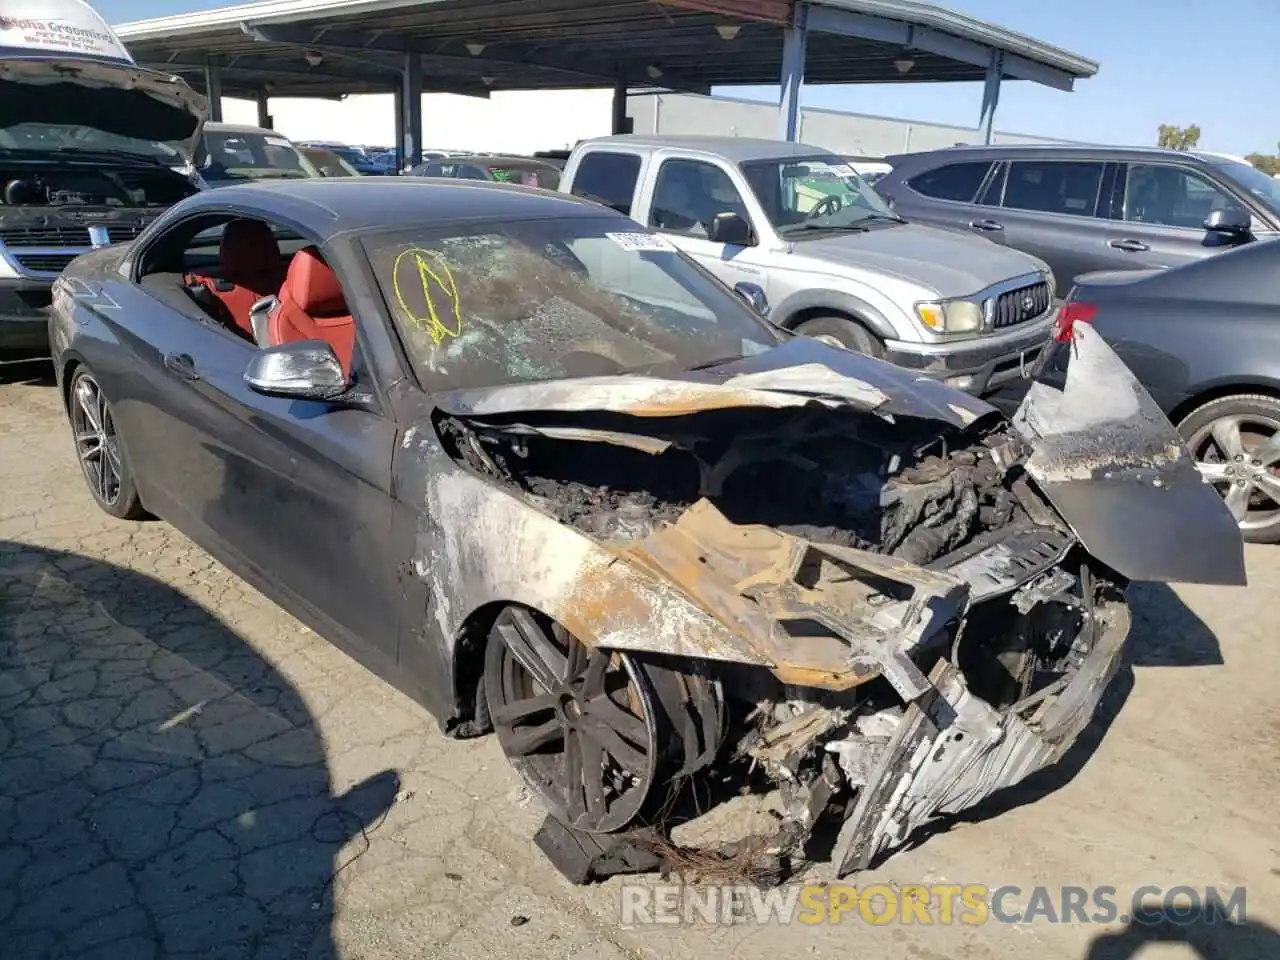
column 735, row 149
column 329, row 206
column 1064, row 151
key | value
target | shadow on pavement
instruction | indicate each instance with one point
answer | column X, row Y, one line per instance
column 1212, row 937
column 1166, row 633
column 37, row 371
column 163, row 790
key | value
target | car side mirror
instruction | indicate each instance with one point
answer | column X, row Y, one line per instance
column 303, row 370
column 754, row 297
column 732, row 229
column 1230, row 222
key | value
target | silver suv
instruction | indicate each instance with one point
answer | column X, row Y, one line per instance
column 796, row 230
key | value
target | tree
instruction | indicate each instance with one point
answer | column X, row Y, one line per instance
column 1178, row 138
column 1267, row 163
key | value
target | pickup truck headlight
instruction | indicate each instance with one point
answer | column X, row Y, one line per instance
column 950, row 316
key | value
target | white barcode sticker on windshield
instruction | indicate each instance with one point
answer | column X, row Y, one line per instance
column 276, row 141
column 641, row 242
column 843, row 170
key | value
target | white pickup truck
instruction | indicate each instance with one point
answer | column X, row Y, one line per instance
column 796, row 231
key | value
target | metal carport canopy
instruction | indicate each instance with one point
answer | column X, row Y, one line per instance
column 328, row 48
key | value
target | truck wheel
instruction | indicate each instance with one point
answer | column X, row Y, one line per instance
column 842, row 332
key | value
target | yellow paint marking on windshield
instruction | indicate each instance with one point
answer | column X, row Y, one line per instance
column 435, row 278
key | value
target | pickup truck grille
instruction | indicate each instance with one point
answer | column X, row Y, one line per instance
column 44, row 262
column 65, row 235
column 1018, row 306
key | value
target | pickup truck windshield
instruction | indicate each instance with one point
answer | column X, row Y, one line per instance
column 230, row 156
column 814, row 192
column 491, row 304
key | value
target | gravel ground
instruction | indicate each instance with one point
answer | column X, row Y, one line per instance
column 187, row 771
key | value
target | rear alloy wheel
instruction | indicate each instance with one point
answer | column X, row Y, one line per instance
column 102, row 457
column 843, row 333
column 580, row 725
column 1236, row 445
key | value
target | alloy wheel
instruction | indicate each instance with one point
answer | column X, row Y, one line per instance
column 577, row 723
column 1240, row 456
column 97, row 444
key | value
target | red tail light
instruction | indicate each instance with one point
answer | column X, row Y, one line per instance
column 1069, row 314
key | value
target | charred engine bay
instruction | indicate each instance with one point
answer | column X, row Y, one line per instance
column 916, row 490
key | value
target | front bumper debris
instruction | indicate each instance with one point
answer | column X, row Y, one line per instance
column 952, row 750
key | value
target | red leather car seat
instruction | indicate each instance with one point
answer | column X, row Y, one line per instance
column 250, row 268
column 312, row 307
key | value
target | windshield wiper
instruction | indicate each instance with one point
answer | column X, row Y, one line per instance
column 833, row 227
column 883, row 218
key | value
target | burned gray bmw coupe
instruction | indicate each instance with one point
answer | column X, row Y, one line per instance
column 541, row 471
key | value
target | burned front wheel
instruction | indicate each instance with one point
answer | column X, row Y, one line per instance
column 579, row 725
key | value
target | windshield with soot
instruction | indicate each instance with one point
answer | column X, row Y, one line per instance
column 553, row 299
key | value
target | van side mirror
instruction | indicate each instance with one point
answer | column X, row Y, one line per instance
column 732, row 229
column 1233, row 222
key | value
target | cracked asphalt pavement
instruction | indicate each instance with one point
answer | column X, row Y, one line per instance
column 186, row 771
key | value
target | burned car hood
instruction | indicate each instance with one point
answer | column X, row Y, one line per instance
column 1100, row 449
column 117, row 98
column 796, row 373
column 1116, row 469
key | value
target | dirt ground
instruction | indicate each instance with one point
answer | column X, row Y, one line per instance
column 186, row 771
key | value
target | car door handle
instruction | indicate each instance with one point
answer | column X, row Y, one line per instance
column 986, row 225
column 182, row 365
column 1132, row 246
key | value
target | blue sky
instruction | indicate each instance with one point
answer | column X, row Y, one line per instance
column 1163, row 61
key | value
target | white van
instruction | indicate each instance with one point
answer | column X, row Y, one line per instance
column 88, row 145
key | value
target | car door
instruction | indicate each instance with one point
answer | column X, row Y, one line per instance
column 1156, row 217
column 1048, row 208
column 688, row 194
column 298, row 491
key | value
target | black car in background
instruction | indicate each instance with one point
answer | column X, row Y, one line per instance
column 1204, row 339
column 1087, row 208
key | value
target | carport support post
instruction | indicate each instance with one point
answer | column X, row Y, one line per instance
column 412, row 132
column 795, row 39
column 213, row 87
column 620, row 101
column 991, row 94
column 264, row 111
column 399, row 124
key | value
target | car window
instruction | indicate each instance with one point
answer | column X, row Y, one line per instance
column 608, row 178
column 1053, row 186
column 466, row 171
column 688, row 196
column 953, row 181
column 994, row 189
column 548, row 299
column 1170, row 196
column 528, row 174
